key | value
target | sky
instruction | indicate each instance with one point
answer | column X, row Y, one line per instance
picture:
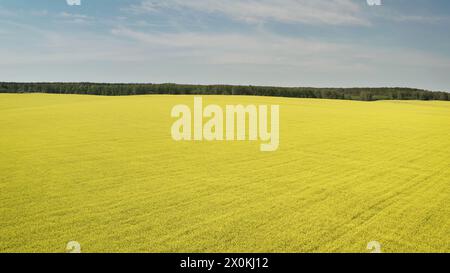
column 320, row 43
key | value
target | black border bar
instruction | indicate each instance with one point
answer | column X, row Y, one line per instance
column 233, row 262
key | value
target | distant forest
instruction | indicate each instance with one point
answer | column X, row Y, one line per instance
column 106, row 89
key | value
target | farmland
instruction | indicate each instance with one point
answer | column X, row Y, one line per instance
column 104, row 171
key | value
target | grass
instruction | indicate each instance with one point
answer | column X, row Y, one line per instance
column 105, row 172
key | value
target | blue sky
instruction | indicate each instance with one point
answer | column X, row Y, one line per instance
column 260, row 42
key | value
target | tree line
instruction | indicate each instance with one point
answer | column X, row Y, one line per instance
column 110, row 89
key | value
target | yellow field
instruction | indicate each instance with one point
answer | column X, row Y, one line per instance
column 104, row 171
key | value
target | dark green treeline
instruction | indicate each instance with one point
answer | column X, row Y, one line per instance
column 106, row 89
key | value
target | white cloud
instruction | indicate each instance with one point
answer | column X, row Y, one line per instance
column 231, row 48
column 75, row 18
column 418, row 19
column 259, row 58
column 329, row 12
column 271, row 49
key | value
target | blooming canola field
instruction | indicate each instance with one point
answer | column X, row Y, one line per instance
column 106, row 173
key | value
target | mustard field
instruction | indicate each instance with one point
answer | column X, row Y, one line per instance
column 105, row 172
